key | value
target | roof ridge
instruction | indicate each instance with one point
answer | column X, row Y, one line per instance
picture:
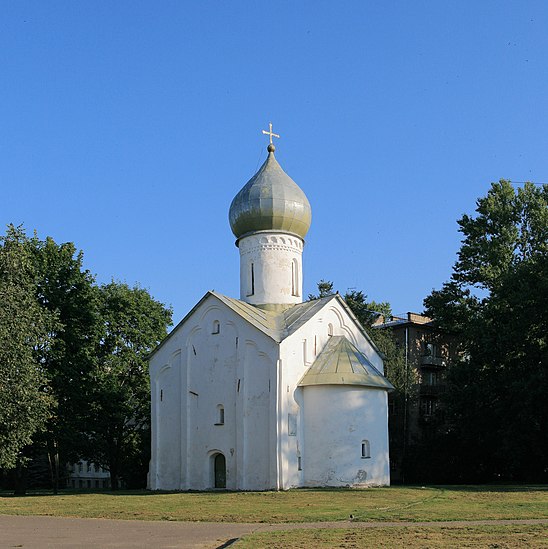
column 305, row 305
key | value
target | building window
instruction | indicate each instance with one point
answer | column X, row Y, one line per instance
column 428, row 406
column 251, row 279
column 366, row 449
column 292, row 425
column 220, row 415
column 294, row 278
column 430, row 350
column 80, row 467
column 329, row 330
column 430, row 378
column 299, row 463
column 89, row 467
column 216, row 329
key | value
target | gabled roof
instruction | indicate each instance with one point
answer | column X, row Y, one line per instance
column 277, row 325
column 341, row 363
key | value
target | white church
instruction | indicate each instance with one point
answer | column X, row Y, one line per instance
column 267, row 392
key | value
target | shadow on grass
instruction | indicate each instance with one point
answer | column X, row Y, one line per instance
column 501, row 488
column 491, row 487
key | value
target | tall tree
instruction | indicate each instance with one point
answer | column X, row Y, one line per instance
column 118, row 425
column 26, row 402
column 68, row 290
column 497, row 299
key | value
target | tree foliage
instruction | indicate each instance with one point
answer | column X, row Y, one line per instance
column 73, row 361
column 133, row 324
column 68, row 290
column 325, row 289
column 497, row 299
column 26, row 402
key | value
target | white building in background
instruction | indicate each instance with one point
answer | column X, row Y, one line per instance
column 86, row 475
column 267, row 392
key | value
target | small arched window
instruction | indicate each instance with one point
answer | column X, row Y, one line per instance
column 216, row 328
column 330, row 329
column 220, row 415
column 366, row 449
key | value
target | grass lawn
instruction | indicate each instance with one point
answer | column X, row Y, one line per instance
column 500, row 537
column 304, row 505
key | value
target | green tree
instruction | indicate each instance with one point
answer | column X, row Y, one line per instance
column 367, row 312
column 68, row 290
column 325, row 289
column 497, row 299
column 26, row 402
column 118, row 426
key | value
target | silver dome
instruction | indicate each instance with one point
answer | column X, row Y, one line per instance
column 270, row 200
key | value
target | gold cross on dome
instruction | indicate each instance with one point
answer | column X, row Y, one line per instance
column 270, row 132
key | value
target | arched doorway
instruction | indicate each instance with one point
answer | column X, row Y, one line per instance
column 220, row 471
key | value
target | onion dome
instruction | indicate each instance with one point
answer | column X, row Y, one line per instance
column 270, row 201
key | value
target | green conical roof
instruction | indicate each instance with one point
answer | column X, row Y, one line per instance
column 270, row 200
column 341, row 363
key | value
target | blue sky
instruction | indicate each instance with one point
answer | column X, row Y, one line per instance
column 128, row 127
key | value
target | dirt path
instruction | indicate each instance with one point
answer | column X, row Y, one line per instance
column 33, row 532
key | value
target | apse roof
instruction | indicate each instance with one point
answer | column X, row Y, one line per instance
column 341, row 363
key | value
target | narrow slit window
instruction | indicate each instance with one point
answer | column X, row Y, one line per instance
column 366, row 449
column 251, row 279
column 216, row 329
column 294, row 278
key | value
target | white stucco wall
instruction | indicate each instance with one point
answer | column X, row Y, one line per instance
column 270, row 422
column 194, row 373
column 338, row 419
column 271, row 268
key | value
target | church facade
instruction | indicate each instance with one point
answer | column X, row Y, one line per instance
column 267, row 391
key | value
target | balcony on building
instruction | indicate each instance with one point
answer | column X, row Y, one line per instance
column 426, row 389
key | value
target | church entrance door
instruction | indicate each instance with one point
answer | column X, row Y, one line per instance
column 220, row 471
